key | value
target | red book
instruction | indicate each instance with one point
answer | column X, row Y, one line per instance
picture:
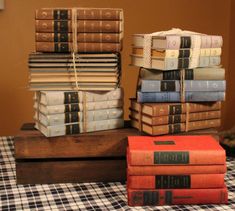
column 176, row 181
column 177, row 196
column 175, row 150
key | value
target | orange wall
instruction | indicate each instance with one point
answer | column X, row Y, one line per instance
column 17, row 40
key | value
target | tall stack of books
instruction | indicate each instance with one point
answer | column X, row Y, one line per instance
column 76, row 70
column 181, row 83
column 175, row 170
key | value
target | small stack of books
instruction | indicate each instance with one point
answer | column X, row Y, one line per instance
column 174, row 170
column 76, row 70
column 180, row 74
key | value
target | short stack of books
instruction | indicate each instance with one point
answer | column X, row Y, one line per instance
column 181, row 83
column 76, row 70
column 175, row 170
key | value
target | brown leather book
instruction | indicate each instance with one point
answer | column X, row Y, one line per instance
column 164, row 109
column 82, row 13
column 81, row 37
column 173, row 119
column 82, row 47
column 82, row 26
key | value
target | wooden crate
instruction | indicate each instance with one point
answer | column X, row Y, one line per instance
column 87, row 157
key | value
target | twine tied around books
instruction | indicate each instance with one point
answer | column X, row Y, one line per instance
column 196, row 40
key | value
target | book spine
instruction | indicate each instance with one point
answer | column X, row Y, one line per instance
column 70, row 129
column 173, row 119
column 60, row 97
column 57, row 109
column 82, row 13
column 176, row 63
column 210, row 52
column 177, row 196
column 176, row 181
column 176, row 169
column 96, row 115
column 177, row 42
column 82, row 26
column 209, row 41
column 153, row 97
column 82, row 47
column 214, row 60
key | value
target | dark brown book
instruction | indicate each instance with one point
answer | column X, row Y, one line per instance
column 81, row 37
column 82, row 26
column 82, row 13
column 81, row 47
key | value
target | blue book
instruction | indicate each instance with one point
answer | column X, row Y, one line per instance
column 154, row 97
column 190, row 85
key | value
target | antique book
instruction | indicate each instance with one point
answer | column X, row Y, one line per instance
column 175, row 86
column 70, row 117
column 175, row 128
column 176, row 63
column 177, row 196
column 76, row 128
column 58, row 26
column 82, row 47
column 179, row 53
column 178, row 42
column 172, row 181
column 65, row 97
column 204, row 73
column 82, row 13
column 81, row 37
column 153, row 97
column 76, row 107
column 174, row 119
column 175, row 150
column 165, row 109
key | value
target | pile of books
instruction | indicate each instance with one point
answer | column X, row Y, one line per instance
column 174, row 170
column 76, row 70
column 182, row 77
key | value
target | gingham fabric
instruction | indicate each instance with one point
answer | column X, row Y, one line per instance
column 83, row 196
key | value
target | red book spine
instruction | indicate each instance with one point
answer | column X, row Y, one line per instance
column 176, row 181
column 177, row 196
column 184, row 169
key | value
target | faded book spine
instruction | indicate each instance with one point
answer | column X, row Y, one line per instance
column 76, row 107
column 177, row 196
column 82, row 26
column 82, row 13
column 81, row 37
column 210, row 73
column 82, row 47
column 189, row 86
column 183, row 181
column 95, row 115
column 181, row 127
column 154, row 97
column 179, row 118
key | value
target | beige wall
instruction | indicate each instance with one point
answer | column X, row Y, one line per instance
column 17, row 40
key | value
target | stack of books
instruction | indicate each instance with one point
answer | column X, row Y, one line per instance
column 181, row 83
column 76, row 70
column 174, row 170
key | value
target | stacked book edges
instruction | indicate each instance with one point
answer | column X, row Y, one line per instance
column 196, row 85
column 51, row 71
column 169, row 52
column 60, row 113
column 175, row 170
column 93, row 29
column 169, row 118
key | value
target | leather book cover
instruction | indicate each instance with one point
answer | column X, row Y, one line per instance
column 175, row 150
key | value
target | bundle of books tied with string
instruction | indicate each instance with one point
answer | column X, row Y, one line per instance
column 76, row 69
column 181, row 82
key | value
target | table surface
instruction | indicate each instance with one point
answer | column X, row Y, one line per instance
column 80, row 196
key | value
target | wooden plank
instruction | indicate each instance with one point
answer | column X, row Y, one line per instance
column 31, row 144
column 45, row 172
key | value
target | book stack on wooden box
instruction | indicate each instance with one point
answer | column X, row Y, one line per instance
column 181, row 83
column 173, row 170
column 76, row 70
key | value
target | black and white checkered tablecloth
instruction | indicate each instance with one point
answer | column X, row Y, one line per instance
column 84, row 196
